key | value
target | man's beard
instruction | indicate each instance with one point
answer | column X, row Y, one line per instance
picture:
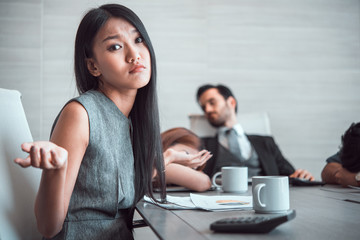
column 216, row 123
column 220, row 117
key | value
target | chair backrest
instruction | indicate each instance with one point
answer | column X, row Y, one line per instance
column 18, row 185
column 253, row 123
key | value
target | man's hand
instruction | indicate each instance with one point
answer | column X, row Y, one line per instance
column 302, row 173
column 44, row 155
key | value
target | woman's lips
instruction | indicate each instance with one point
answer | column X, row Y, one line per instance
column 137, row 68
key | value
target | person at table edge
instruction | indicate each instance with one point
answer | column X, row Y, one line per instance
column 259, row 153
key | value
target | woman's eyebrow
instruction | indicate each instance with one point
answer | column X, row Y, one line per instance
column 117, row 36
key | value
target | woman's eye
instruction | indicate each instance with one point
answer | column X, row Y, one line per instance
column 115, row 47
column 139, row 40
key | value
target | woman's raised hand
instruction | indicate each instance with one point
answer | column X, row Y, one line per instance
column 189, row 160
column 44, row 155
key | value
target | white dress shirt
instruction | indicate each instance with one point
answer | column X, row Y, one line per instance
column 243, row 141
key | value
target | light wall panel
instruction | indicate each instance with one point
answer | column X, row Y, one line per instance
column 299, row 60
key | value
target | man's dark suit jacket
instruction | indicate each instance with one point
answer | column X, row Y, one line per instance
column 272, row 162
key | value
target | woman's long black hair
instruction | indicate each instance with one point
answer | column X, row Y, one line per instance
column 144, row 114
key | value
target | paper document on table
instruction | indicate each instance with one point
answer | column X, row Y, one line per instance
column 209, row 203
column 222, row 202
column 174, row 203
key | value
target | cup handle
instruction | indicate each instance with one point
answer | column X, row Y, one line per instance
column 214, row 179
column 257, row 194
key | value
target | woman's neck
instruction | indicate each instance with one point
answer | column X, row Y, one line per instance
column 124, row 100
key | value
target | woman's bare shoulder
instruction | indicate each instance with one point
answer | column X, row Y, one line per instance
column 73, row 123
column 74, row 110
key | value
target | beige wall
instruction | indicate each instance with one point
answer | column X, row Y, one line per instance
column 299, row 60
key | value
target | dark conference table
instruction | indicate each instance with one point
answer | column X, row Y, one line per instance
column 322, row 212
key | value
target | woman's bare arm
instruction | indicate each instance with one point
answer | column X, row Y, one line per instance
column 58, row 179
column 187, row 177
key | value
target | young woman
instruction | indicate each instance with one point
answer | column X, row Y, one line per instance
column 184, row 159
column 106, row 142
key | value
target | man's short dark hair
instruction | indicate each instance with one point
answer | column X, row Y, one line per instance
column 350, row 149
column 222, row 89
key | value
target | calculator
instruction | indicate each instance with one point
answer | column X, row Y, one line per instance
column 252, row 223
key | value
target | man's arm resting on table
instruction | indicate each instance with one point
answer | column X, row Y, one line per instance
column 334, row 173
column 329, row 171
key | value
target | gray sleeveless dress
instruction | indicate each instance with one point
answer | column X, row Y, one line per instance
column 104, row 189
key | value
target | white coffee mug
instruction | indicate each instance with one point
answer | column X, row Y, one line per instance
column 233, row 179
column 270, row 194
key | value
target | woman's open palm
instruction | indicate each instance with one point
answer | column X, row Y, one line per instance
column 44, row 155
column 189, row 160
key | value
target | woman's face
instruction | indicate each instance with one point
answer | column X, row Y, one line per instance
column 121, row 58
column 184, row 148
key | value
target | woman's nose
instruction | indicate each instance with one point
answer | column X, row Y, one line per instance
column 133, row 59
column 133, row 55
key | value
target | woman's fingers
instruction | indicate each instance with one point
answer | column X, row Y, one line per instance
column 183, row 158
column 45, row 159
column 35, row 156
column 44, row 155
column 202, row 152
column 59, row 157
column 26, row 146
column 201, row 158
column 26, row 162
column 206, row 156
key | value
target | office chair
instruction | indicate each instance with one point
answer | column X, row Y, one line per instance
column 18, row 185
column 257, row 123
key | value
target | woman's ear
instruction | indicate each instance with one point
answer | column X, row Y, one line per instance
column 93, row 69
